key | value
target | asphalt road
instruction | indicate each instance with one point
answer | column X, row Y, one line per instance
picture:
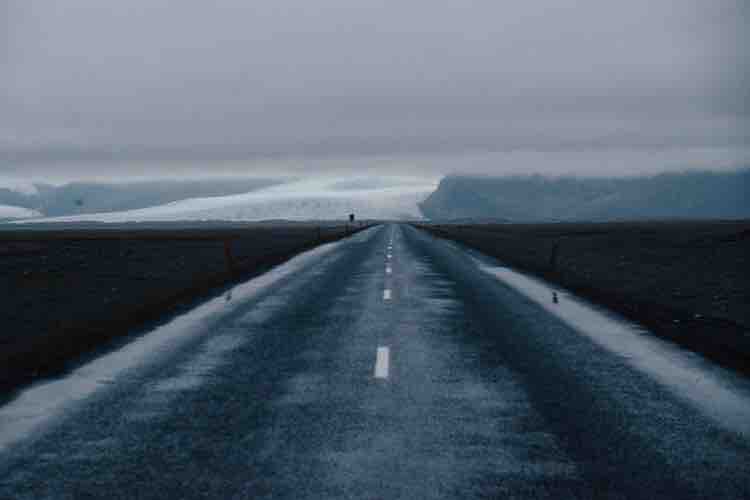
column 388, row 365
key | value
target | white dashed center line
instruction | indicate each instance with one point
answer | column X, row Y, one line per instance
column 382, row 362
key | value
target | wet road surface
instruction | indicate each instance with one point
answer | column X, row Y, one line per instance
column 388, row 365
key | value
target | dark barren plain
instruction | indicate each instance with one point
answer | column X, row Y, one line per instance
column 68, row 292
column 686, row 281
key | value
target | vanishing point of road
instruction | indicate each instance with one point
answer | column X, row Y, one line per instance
column 389, row 365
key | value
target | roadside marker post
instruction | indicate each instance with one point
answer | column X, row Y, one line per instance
column 228, row 257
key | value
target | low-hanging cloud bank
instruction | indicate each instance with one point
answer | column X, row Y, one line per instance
column 154, row 80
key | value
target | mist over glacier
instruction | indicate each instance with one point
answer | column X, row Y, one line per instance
column 319, row 199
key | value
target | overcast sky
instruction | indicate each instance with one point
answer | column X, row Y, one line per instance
column 498, row 86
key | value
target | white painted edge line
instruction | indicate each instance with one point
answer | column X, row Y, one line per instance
column 34, row 407
column 387, row 294
column 716, row 392
column 382, row 362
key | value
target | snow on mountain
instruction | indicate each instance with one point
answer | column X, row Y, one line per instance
column 394, row 198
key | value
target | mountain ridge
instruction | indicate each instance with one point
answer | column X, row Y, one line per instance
column 535, row 198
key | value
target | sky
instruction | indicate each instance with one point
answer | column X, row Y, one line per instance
column 157, row 88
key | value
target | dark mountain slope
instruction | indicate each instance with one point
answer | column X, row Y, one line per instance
column 695, row 195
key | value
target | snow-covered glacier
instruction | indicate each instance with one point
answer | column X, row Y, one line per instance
column 13, row 212
column 319, row 199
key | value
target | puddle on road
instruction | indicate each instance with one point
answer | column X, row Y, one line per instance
column 716, row 392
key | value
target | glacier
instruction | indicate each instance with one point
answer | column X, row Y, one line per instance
column 14, row 212
column 298, row 200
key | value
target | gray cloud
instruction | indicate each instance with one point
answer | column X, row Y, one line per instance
column 85, row 79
